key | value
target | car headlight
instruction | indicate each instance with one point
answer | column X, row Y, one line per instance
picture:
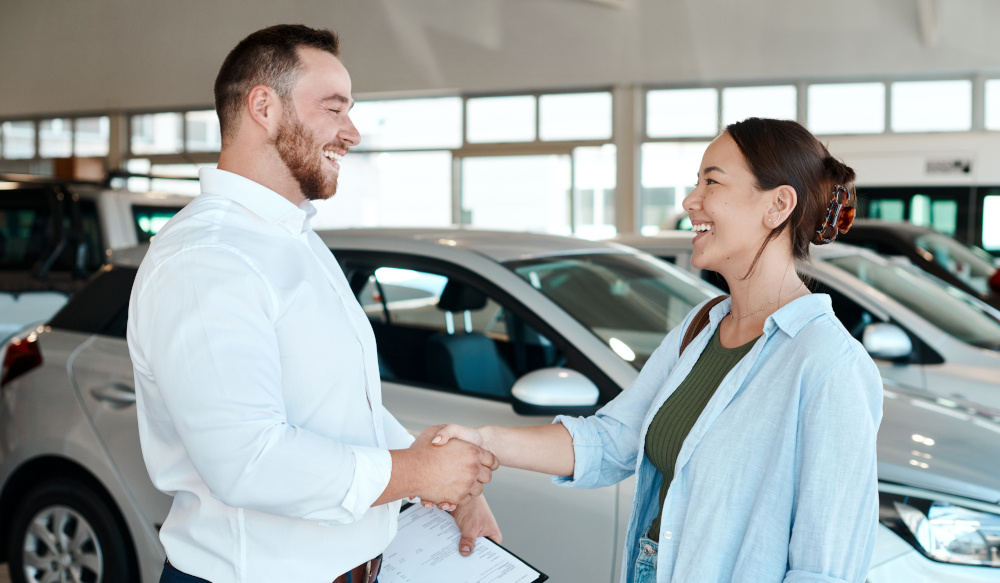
column 943, row 531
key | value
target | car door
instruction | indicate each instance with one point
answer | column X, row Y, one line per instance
column 423, row 329
column 101, row 371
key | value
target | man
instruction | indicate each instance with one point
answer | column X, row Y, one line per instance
column 256, row 371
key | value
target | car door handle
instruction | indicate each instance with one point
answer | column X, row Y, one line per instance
column 117, row 395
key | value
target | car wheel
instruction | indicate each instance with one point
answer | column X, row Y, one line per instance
column 64, row 531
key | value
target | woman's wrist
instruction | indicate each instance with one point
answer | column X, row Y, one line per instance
column 488, row 433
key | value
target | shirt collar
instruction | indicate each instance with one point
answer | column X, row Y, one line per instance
column 258, row 199
column 790, row 318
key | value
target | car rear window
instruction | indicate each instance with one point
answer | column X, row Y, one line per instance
column 100, row 307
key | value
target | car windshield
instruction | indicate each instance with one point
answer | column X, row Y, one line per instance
column 948, row 308
column 629, row 302
column 958, row 259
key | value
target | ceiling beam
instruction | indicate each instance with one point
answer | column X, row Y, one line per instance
column 619, row 4
column 928, row 22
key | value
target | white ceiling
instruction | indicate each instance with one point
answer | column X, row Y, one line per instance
column 78, row 56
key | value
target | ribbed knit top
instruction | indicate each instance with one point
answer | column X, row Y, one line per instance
column 674, row 420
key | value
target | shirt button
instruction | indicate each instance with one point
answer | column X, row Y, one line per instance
column 647, row 549
column 667, row 535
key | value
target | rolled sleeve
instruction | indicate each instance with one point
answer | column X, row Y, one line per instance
column 372, row 468
column 588, row 450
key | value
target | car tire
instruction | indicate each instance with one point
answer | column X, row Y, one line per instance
column 64, row 526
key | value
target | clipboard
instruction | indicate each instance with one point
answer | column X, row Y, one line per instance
column 425, row 550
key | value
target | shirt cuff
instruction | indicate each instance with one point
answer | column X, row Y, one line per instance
column 372, row 468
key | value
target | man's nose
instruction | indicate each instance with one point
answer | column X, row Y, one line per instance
column 349, row 134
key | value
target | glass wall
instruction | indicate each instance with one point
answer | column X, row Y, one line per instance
column 931, row 106
column 846, row 108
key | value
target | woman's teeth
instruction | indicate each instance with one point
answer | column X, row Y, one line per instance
column 332, row 155
column 702, row 227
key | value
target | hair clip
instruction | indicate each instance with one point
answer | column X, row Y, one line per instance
column 839, row 216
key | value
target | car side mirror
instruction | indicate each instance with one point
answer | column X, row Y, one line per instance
column 552, row 391
column 886, row 341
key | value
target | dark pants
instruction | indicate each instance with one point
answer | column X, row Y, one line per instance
column 171, row 575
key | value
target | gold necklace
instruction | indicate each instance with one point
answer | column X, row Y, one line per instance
column 764, row 307
column 737, row 319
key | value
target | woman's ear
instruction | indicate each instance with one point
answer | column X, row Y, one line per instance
column 783, row 201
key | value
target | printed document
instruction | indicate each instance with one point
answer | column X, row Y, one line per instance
column 426, row 550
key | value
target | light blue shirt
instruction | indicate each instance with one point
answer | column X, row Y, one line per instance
column 777, row 479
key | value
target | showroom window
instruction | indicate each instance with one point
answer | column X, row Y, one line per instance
column 778, row 102
column 18, row 140
column 931, row 106
column 500, row 119
column 390, row 189
column 669, row 173
column 992, row 104
column 575, row 116
column 91, row 135
column 157, row 133
column 55, row 138
column 409, row 123
column 682, row 113
column 846, row 108
column 202, row 132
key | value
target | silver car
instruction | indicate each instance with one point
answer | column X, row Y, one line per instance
column 473, row 327
column 921, row 331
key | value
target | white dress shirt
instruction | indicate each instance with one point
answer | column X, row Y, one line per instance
column 258, row 393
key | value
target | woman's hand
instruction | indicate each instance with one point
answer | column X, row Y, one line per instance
column 446, row 433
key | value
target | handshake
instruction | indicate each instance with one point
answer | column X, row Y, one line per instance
column 449, row 465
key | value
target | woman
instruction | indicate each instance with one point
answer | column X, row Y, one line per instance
column 754, row 445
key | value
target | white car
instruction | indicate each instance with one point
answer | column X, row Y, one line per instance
column 921, row 331
column 473, row 327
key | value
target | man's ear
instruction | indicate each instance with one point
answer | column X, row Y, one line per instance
column 264, row 108
column 784, row 199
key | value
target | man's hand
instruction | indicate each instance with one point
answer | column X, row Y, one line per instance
column 475, row 519
column 448, row 474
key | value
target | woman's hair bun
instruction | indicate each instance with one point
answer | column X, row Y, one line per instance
column 837, row 172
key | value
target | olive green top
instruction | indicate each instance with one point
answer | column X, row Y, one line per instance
column 674, row 420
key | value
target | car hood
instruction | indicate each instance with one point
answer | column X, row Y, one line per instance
column 945, row 445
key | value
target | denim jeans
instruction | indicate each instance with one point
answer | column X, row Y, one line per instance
column 645, row 564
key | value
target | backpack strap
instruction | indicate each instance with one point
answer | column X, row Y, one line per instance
column 699, row 322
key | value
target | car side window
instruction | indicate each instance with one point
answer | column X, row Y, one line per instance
column 443, row 332
column 25, row 228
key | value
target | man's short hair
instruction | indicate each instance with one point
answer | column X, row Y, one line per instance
column 266, row 57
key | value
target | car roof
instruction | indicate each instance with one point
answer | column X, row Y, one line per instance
column 499, row 246
column 681, row 241
column 898, row 227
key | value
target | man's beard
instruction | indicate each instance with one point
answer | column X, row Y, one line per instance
column 297, row 150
